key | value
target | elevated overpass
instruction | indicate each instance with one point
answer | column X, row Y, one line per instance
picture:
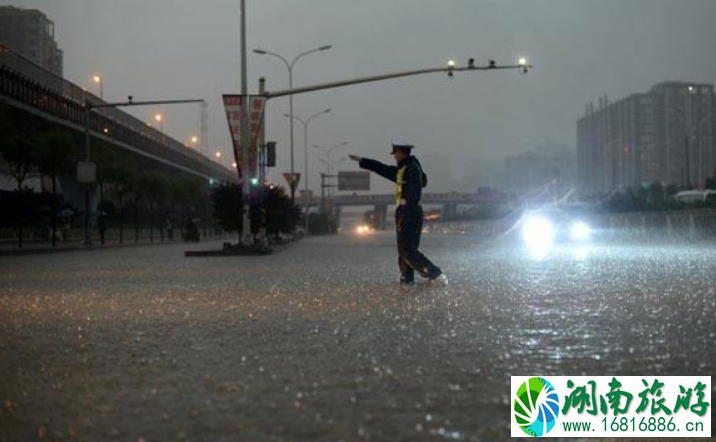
column 37, row 91
column 448, row 200
column 427, row 198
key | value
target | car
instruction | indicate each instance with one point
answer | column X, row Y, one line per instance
column 558, row 223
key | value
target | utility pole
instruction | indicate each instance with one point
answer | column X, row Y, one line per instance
column 262, row 171
column 246, row 233
column 204, row 129
column 688, row 163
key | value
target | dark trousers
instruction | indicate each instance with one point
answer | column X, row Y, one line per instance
column 409, row 226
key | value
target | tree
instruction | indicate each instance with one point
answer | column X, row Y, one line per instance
column 671, row 189
column 187, row 193
column 156, row 187
column 655, row 196
column 54, row 157
column 118, row 171
column 281, row 215
column 228, row 207
column 711, row 183
column 17, row 148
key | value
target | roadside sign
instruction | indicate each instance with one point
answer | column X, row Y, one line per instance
column 353, row 180
column 232, row 105
column 86, row 172
column 292, row 180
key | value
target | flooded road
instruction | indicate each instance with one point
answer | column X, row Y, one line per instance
column 320, row 342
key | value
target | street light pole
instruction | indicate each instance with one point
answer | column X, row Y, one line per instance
column 327, row 151
column 289, row 66
column 100, row 80
column 305, row 151
column 160, row 120
column 246, row 233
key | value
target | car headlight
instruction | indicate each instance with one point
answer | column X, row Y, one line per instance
column 580, row 231
column 538, row 231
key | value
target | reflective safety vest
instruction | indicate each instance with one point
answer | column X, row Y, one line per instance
column 399, row 185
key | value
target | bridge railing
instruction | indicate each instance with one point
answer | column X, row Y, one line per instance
column 427, row 198
column 30, row 84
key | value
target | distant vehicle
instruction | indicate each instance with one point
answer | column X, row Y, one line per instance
column 432, row 215
column 570, row 223
column 696, row 196
column 364, row 229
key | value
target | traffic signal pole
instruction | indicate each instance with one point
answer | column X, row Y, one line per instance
column 449, row 70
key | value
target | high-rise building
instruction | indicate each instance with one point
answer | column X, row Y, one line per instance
column 666, row 135
column 29, row 32
column 546, row 168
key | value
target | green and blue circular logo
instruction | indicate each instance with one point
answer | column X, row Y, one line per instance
column 536, row 407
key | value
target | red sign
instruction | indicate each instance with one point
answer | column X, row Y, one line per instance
column 232, row 105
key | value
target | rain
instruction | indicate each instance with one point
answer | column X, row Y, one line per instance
column 330, row 220
column 144, row 343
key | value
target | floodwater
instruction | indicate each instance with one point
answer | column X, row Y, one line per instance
column 320, row 342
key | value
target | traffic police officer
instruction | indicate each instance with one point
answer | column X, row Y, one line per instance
column 409, row 181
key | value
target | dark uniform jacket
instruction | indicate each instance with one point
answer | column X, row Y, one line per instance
column 413, row 177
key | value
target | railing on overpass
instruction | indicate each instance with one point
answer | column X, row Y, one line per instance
column 26, row 83
column 427, row 198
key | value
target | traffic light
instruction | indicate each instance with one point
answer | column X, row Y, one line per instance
column 271, row 154
column 254, row 182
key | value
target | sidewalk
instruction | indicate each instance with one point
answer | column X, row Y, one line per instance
column 36, row 248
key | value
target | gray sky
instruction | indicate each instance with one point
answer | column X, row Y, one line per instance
column 582, row 49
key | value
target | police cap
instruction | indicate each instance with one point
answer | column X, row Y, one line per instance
column 400, row 145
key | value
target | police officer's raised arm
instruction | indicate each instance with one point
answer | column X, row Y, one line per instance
column 388, row 172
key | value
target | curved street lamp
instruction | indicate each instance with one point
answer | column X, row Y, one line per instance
column 305, row 148
column 100, row 81
column 327, row 151
column 289, row 66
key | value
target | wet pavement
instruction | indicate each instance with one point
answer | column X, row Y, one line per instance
column 319, row 341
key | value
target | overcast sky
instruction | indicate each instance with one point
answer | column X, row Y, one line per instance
column 581, row 49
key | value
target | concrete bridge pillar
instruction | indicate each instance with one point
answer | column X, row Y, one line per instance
column 380, row 213
column 449, row 211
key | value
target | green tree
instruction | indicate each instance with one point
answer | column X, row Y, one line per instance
column 655, row 196
column 228, row 206
column 281, row 215
column 711, row 183
column 156, row 188
column 17, row 147
column 54, row 157
column 116, row 172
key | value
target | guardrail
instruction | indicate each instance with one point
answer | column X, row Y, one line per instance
column 29, row 84
column 427, row 198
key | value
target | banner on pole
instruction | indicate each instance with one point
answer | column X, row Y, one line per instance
column 232, row 105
